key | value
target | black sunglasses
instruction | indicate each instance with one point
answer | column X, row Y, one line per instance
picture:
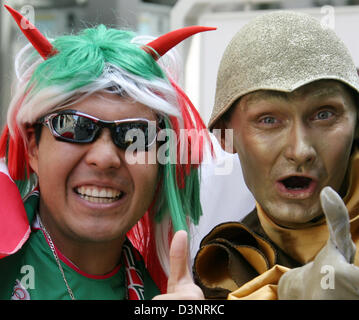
column 78, row 127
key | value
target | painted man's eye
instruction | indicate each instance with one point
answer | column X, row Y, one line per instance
column 268, row 120
column 324, row 115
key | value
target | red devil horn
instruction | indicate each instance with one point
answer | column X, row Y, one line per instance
column 158, row 47
column 40, row 43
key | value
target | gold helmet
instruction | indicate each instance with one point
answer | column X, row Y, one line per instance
column 280, row 51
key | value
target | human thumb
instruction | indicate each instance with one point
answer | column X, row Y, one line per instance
column 179, row 271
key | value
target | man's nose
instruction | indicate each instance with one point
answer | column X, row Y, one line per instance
column 103, row 153
column 300, row 149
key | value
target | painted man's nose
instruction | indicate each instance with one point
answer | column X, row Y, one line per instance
column 299, row 149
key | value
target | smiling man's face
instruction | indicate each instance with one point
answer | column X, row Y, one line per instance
column 89, row 192
column 291, row 145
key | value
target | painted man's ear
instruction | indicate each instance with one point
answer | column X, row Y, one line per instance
column 224, row 135
column 33, row 149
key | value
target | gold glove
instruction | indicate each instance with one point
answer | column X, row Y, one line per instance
column 332, row 274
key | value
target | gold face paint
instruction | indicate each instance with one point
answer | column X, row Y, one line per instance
column 291, row 145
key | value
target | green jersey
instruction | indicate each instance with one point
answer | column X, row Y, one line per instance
column 34, row 273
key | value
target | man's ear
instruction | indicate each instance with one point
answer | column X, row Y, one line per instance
column 33, row 149
column 224, row 135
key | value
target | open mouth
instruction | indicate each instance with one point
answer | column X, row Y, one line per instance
column 296, row 187
column 99, row 195
column 296, row 183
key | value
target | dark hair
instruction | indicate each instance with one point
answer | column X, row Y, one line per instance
column 38, row 130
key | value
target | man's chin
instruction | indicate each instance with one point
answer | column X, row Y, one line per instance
column 295, row 216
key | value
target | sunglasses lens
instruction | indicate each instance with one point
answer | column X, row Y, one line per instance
column 138, row 132
column 74, row 128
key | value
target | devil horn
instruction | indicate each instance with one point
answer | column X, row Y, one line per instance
column 158, row 47
column 40, row 43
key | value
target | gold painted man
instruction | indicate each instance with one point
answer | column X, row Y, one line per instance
column 288, row 88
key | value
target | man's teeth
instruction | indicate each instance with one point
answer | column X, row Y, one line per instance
column 98, row 195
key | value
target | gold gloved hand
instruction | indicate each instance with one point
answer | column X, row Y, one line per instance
column 332, row 274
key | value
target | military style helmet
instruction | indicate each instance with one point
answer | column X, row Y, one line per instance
column 280, row 51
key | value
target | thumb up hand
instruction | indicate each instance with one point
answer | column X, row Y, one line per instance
column 332, row 274
column 180, row 285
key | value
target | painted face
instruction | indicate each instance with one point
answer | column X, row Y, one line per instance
column 88, row 191
column 291, row 145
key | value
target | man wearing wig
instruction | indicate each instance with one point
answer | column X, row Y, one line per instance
column 288, row 88
column 79, row 218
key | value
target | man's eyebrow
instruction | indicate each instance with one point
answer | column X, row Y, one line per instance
column 327, row 92
column 266, row 95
